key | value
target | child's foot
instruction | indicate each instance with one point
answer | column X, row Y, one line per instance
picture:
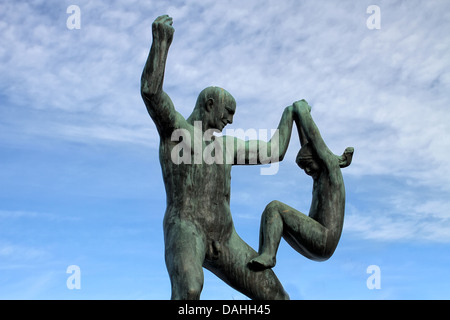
column 263, row 261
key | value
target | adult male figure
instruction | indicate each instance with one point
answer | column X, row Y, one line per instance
column 198, row 227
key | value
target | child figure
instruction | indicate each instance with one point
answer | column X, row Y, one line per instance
column 315, row 236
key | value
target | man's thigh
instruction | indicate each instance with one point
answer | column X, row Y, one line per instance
column 184, row 255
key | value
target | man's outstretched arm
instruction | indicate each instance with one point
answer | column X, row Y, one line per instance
column 262, row 152
column 158, row 103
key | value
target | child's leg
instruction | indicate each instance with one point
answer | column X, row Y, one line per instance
column 270, row 233
column 303, row 233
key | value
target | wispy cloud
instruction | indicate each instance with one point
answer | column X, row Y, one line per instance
column 8, row 214
column 13, row 253
column 385, row 91
column 88, row 75
column 382, row 91
column 403, row 216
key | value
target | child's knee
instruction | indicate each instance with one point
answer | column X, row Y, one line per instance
column 273, row 206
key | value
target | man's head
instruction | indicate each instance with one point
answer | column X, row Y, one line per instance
column 215, row 107
column 306, row 160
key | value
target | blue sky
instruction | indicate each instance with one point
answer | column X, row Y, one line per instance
column 80, row 182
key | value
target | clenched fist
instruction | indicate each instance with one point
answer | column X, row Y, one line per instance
column 162, row 29
column 302, row 105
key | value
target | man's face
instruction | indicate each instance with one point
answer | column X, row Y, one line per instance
column 224, row 116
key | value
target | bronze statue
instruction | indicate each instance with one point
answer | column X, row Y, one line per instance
column 196, row 168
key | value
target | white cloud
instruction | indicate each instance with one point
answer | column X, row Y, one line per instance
column 404, row 217
column 380, row 91
column 17, row 214
column 16, row 253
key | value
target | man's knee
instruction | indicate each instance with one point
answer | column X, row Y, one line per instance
column 193, row 292
column 189, row 292
column 186, row 275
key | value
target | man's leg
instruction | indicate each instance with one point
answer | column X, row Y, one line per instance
column 184, row 254
column 231, row 265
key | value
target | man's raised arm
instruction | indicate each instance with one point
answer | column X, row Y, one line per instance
column 158, row 103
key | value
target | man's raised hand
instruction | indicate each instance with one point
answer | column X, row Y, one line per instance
column 302, row 105
column 162, row 29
